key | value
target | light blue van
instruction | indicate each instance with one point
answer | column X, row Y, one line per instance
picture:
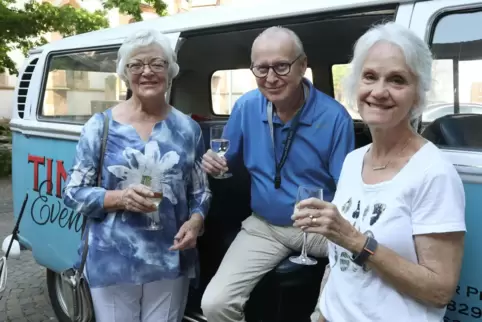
column 64, row 83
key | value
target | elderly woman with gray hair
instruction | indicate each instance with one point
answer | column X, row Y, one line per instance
column 396, row 225
column 151, row 177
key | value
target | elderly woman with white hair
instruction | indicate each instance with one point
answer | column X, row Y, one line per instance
column 136, row 273
column 396, row 225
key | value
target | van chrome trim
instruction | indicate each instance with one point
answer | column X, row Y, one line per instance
column 48, row 130
column 37, row 50
column 467, row 163
column 469, row 166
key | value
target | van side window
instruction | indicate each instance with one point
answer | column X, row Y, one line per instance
column 457, row 69
column 79, row 84
column 338, row 73
column 457, row 75
column 229, row 85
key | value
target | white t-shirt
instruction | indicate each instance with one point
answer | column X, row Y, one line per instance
column 426, row 196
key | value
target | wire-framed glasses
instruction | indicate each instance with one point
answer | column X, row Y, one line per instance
column 156, row 65
column 280, row 69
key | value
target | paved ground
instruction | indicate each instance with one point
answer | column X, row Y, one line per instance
column 25, row 299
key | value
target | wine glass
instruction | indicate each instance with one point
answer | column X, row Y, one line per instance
column 154, row 183
column 220, row 146
column 306, row 193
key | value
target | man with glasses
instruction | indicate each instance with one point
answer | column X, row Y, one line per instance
column 287, row 134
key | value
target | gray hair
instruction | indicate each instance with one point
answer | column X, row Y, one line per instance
column 144, row 38
column 417, row 55
column 282, row 30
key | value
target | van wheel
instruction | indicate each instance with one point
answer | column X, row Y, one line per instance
column 59, row 298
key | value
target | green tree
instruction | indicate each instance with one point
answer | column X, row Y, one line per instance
column 338, row 73
column 22, row 27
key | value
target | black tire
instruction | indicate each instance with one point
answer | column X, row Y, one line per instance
column 55, row 295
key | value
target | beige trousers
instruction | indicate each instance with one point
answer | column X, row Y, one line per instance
column 257, row 249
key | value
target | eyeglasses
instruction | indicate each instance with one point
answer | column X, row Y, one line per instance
column 156, row 66
column 280, row 69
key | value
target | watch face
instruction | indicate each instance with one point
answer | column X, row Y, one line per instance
column 369, row 233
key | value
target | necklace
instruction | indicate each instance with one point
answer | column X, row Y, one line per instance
column 383, row 167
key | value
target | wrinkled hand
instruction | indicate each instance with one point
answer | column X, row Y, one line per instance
column 213, row 164
column 321, row 217
column 135, row 199
column 186, row 238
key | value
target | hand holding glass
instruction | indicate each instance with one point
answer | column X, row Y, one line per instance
column 306, row 193
column 220, row 146
column 153, row 182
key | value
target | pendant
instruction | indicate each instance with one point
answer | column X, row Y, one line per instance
column 382, row 167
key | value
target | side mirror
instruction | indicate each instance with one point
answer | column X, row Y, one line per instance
column 15, row 250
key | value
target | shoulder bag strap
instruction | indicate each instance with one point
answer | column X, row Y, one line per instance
column 99, row 183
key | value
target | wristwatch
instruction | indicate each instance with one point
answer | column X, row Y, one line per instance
column 368, row 249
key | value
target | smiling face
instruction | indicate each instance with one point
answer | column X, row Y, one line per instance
column 387, row 88
column 279, row 51
column 147, row 70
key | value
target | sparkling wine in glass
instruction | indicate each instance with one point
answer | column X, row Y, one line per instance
column 306, row 193
column 154, row 183
column 220, row 146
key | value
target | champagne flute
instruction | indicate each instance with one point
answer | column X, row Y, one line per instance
column 154, row 183
column 220, row 146
column 306, row 193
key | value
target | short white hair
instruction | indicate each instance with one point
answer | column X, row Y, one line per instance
column 418, row 58
column 299, row 49
column 145, row 38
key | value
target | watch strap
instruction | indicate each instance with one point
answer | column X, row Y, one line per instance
column 368, row 249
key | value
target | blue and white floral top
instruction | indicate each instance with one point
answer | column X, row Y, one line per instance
column 120, row 250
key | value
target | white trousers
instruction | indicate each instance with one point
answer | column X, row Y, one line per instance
column 160, row 301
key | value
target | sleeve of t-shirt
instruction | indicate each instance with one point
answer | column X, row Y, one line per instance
column 439, row 203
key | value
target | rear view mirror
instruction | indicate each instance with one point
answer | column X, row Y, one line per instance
column 3, row 274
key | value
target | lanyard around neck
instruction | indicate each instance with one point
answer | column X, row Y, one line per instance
column 289, row 139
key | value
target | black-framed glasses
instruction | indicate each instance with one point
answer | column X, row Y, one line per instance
column 280, row 69
column 156, row 65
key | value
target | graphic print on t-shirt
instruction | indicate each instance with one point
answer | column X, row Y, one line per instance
column 378, row 210
column 365, row 213
column 335, row 251
column 343, row 256
column 356, row 213
column 345, row 261
column 346, row 206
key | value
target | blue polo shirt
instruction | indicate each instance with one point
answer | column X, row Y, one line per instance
column 324, row 137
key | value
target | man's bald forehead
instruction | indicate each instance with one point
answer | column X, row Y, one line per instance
column 279, row 34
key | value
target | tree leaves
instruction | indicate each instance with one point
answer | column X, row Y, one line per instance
column 23, row 27
column 133, row 7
